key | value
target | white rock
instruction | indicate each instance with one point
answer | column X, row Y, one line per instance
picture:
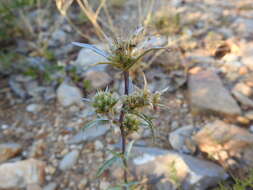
column 69, row 160
column 68, row 95
column 33, row 108
column 178, row 138
column 21, row 174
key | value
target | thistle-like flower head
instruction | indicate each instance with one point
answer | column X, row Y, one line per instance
column 104, row 101
column 123, row 53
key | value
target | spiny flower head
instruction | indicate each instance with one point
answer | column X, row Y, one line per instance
column 104, row 101
column 123, row 53
column 131, row 123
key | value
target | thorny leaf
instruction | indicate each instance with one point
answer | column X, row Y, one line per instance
column 63, row 5
column 93, row 48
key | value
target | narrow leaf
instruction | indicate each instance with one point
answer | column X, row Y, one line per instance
column 93, row 123
column 107, row 164
column 141, row 56
column 149, row 122
column 93, row 48
column 129, row 148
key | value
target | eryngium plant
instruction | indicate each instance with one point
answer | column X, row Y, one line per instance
column 123, row 55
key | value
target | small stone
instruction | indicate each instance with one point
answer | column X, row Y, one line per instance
column 59, row 35
column 243, row 120
column 98, row 145
column 104, row 185
column 33, row 108
column 50, row 186
column 21, row 173
column 69, row 160
column 9, row 150
column 243, row 70
column 98, row 79
column 244, row 100
column 243, row 88
column 195, row 70
column 251, row 128
column 178, row 138
column 68, row 95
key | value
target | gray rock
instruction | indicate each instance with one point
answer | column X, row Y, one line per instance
column 34, row 108
column 244, row 100
column 178, row 138
column 68, row 95
column 59, row 36
column 207, row 93
column 69, row 160
column 50, row 186
column 17, row 88
column 244, row 27
column 251, row 128
column 89, row 134
column 86, row 58
column 9, row 150
column 170, row 170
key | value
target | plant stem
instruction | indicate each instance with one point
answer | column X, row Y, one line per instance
column 122, row 130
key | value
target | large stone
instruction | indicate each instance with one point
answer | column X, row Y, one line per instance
column 89, row 134
column 168, row 170
column 207, row 93
column 69, row 160
column 228, row 144
column 21, row 174
column 98, row 79
column 9, row 150
column 68, row 95
column 87, row 58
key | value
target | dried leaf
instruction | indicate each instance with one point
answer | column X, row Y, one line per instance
column 63, row 5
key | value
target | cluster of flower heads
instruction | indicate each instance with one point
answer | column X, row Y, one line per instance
column 104, row 102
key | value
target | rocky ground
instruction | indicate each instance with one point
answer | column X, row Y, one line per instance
column 203, row 136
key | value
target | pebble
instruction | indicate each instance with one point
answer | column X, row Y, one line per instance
column 50, row 186
column 34, row 108
column 69, row 160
